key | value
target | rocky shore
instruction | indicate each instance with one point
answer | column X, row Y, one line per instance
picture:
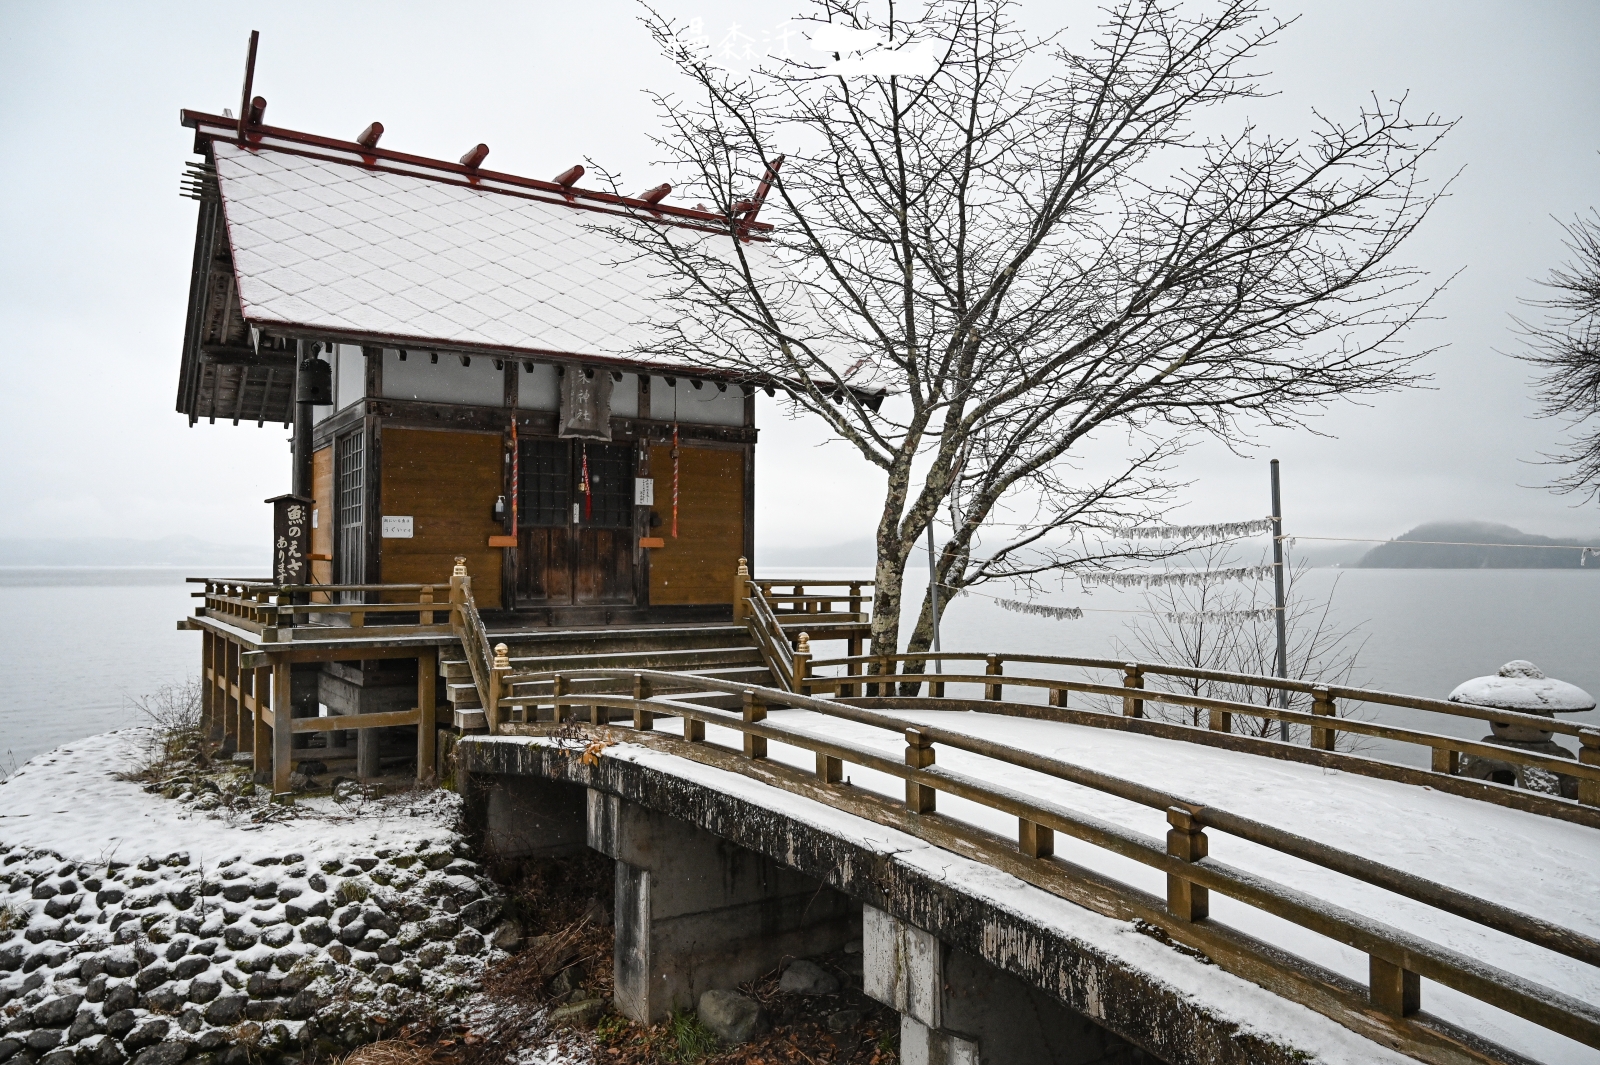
column 135, row 928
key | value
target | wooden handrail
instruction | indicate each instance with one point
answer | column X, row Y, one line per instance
column 1335, row 691
column 1392, row 946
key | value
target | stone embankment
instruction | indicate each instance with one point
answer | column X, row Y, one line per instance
column 244, row 947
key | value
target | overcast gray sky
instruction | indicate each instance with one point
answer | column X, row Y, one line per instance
column 95, row 241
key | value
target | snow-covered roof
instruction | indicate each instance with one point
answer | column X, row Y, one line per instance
column 326, row 240
column 1521, row 685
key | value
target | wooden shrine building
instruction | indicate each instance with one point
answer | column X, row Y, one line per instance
column 452, row 346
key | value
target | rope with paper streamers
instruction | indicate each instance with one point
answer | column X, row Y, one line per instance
column 1183, row 579
column 1228, row 530
column 1075, row 613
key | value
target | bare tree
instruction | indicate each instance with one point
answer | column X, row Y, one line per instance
column 1566, row 347
column 1028, row 249
column 1219, row 623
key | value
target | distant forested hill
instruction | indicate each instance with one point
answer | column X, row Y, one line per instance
column 113, row 551
column 1436, row 556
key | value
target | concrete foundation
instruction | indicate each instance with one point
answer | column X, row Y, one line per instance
column 527, row 817
column 375, row 687
column 957, row 1009
column 695, row 912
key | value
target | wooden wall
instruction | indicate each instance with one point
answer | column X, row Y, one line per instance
column 698, row 566
column 322, row 535
column 447, row 482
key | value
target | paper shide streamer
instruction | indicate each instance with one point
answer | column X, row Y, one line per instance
column 1059, row 613
column 1183, row 617
column 1228, row 530
column 1185, row 579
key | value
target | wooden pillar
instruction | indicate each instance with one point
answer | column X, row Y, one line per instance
column 1186, row 841
column 498, row 688
column 1322, row 705
column 993, row 667
column 1589, row 754
column 1132, row 677
column 829, row 770
column 210, row 727
column 920, row 799
column 1058, row 697
column 754, row 710
column 282, row 715
column 1394, row 990
column 1035, row 840
column 1220, row 721
column 643, row 720
column 1446, row 761
column 741, row 590
column 427, row 668
column 231, row 679
column 802, row 664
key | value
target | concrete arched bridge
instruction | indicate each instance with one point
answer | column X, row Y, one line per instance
column 1038, row 866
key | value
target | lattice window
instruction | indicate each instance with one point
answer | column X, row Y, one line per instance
column 350, row 553
column 545, row 480
column 611, row 481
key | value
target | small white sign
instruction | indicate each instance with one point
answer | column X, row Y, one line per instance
column 397, row 526
column 644, row 491
column 313, row 518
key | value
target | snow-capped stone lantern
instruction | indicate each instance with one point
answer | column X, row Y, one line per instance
column 1523, row 687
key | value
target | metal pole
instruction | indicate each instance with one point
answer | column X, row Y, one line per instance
column 1277, row 581
column 933, row 600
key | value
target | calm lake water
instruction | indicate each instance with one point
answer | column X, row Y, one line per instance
column 78, row 646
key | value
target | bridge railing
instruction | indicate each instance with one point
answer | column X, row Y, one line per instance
column 765, row 605
column 1398, row 959
column 273, row 612
column 1322, row 725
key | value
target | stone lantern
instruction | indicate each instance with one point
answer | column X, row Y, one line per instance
column 1523, row 687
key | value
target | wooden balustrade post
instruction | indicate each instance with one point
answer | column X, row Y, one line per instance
column 1447, row 761
column 1035, row 840
column 1392, row 989
column 1058, row 697
column 883, row 687
column 208, row 689
column 1132, row 677
column 993, row 667
column 852, row 649
column 920, row 799
column 1589, row 754
column 425, row 616
column 741, row 590
column 558, row 691
column 643, row 720
column 427, row 734
column 498, row 687
column 282, row 737
column 460, row 584
column 1220, row 721
column 754, row 710
column 1186, row 841
column 802, row 665
column 1322, row 704
column 855, row 605
column 829, row 770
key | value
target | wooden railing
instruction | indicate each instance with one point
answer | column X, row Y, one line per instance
column 765, row 611
column 468, row 627
column 1322, row 725
column 274, row 611
column 1398, row 959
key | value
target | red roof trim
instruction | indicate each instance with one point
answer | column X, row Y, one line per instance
column 220, row 128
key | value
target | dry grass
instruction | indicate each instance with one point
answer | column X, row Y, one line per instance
column 392, row 1052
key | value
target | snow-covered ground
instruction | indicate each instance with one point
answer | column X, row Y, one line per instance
column 1533, row 864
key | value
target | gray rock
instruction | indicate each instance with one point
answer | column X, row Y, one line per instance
column 109, row 897
column 44, row 890
column 431, row 955
column 191, row 1020
column 442, row 926
column 843, row 1020
column 57, row 1012
column 59, row 1057
column 147, row 1034
column 168, row 1053
column 120, row 996
column 482, row 913
column 211, row 1039
column 87, row 1023
column 278, row 935
column 266, row 1009
column 374, row 939
column 226, row 1010
column 302, row 908
column 181, row 898
column 11, row 958
column 339, row 953
column 190, row 967
column 237, row 891
column 162, row 1000
column 577, row 1014
column 468, row 943
column 265, row 889
column 352, row 933
column 732, row 1017
column 389, row 954
column 9, row 1046
column 507, row 936
column 237, row 937
column 317, row 932
column 203, row 991
column 62, row 905
column 152, row 977
column 305, row 1004
column 120, row 1023
column 103, row 1050
column 262, row 986
column 42, row 1039
column 804, row 977
column 121, row 963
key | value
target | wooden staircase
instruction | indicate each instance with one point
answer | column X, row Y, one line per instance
column 725, row 652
